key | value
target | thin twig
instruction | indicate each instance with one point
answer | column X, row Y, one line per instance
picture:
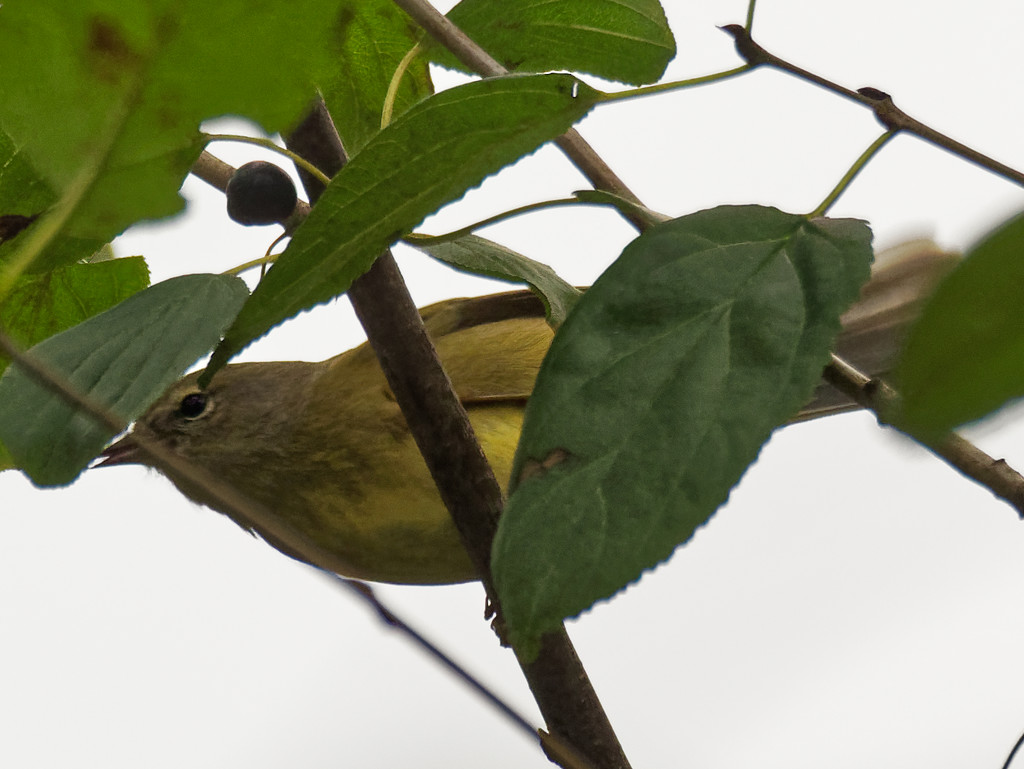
column 875, row 395
column 879, row 102
column 895, row 119
column 212, row 170
column 1013, row 752
column 570, row 758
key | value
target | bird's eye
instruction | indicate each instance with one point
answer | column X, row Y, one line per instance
column 193, row 405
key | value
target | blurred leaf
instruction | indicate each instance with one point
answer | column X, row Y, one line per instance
column 24, row 197
column 44, row 304
column 369, row 44
column 480, row 256
column 707, row 333
column 624, row 40
column 965, row 356
column 123, row 358
column 428, row 157
column 107, row 95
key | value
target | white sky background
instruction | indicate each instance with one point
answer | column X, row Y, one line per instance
column 855, row 604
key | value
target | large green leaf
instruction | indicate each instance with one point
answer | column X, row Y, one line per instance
column 123, row 358
column 964, row 358
column 707, row 333
column 105, row 97
column 624, row 40
column 428, row 157
column 480, row 256
column 369, row 43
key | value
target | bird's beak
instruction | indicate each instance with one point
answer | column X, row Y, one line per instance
column 122, row 452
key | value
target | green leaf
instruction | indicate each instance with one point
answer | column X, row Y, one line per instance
column 123, row 359
column 105, row 96
column 428, row 157
column 624, row 40
column 706, row 334
column 45, row 304
column 369, row 43
column 964, row 357
column 471, row 253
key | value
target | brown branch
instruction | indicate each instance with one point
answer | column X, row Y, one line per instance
column 895, row 119
column 879, row 102
column 876, row 396
column 393, row 326
column 478, row 60
column 442, row 431
column 212, row 170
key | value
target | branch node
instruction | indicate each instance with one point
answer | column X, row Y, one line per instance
column 887, row 113
column 749, row 51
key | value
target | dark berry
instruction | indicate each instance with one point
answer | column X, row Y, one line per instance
column 260, row 193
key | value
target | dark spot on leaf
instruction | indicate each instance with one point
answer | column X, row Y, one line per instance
column 110, row 57
column 532, row 468
column 12, row 224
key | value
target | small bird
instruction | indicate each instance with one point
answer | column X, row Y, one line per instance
column 325, row 447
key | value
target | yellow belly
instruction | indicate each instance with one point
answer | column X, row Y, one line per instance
column 394, row 527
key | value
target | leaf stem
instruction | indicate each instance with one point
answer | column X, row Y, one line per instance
column 263, row 261
column 675, row 85
column 849, row 176
column 879, row 102
column 428, row 240
column 750, row 16
column 270, row 145
column 396, row 81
